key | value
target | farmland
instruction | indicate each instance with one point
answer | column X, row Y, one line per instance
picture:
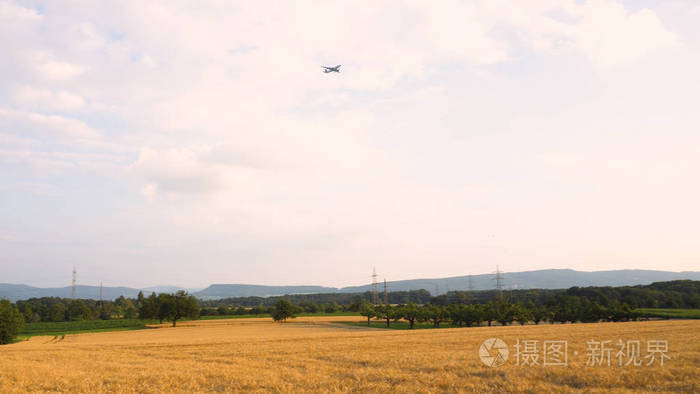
column 74, row 327
column 318, row 354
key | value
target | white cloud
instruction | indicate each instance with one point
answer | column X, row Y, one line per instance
column 604, row 31
column 84, row 36
column 13, row 12
column 456, row 30
column 45, row 125
column 47, row 98
column 59, row 71
column 175, row 171
column 219, row 116
column 611, row 36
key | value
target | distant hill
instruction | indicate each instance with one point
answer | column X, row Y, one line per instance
column 222, row 291
column 541, row 279
column 23, row 292
column 168, row 289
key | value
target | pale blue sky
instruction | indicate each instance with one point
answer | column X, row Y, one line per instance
column 168, row 143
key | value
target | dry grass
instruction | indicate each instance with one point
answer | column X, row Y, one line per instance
column 313, row 354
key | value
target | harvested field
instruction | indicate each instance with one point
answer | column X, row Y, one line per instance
column 317, row 354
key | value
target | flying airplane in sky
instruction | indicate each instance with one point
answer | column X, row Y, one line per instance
column 335, row 69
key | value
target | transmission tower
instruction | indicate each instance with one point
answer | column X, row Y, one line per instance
column 470, row 283
column 101, row 304
column 499, row 283
column 72, row 289
column 375, row 294
column 386, row 295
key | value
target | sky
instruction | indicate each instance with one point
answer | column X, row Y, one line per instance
column 189, row 143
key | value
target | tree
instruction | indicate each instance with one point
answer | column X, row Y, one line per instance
column 166, row 307
column 185, row 306
column 283, row 310
column 131, row 312
column 434, row 313
column 366, row 309
column 489, row 313
column 140, row 299
column 77, row 310
column 474, row 315
column 593, row 313
column 522, row 314
column 106, row 311
column 504, row 312
column 223, row 311
column 387, row 312
column 57, row 312
column 121, row 302
column 411, row 313
column 541, row 314
column 148, row 307
column 456, row 313
column 331, row 308
column 11, row 322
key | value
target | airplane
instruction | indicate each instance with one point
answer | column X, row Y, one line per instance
column 335, row 69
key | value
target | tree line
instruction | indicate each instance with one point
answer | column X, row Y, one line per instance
column 498, row 311
column 672, row 294
column 460, row 308
column 161, row 307
column 54, row 309
column 343, row 299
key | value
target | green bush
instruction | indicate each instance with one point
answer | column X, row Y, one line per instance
column 11, row 322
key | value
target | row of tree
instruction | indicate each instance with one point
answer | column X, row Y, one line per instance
column 303, row 307
column 162, row 307
column 54, row 309
column 345, row 301
column 499, row 311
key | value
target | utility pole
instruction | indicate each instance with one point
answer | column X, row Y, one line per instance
column 470, row 283
column 375, row 295
column 72, row 289
column 101, row 303
column 386, row 295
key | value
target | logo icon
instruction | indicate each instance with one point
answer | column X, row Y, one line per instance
column 493, row 352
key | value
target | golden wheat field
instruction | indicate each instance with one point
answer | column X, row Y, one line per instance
column 321, row 355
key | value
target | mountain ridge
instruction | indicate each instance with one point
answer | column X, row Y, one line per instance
column 544, row 279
